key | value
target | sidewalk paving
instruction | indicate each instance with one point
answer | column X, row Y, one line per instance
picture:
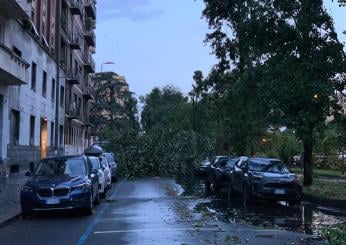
column 10, row 196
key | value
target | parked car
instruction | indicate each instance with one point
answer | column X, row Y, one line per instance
column 265, row 178
column 112, row 161
column 202, row 169
column 57, row 183
column 101, row 174
column 106, row 170
column 220, row 173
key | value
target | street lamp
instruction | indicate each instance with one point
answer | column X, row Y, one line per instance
column 107, row 63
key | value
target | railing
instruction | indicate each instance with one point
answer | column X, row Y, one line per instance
column 75, row 40
column 89, row 63
column 76, row 6
column 90, row 7
column 13, row 65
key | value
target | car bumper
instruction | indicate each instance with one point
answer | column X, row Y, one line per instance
column 280, row 194
column 33, row 202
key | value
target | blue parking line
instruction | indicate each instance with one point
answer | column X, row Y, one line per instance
column 90, row 228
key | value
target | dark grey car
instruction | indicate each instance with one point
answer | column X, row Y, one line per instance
column 265, row 178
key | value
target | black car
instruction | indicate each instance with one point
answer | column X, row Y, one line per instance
column 265, row 178
column 202, row 169
column 60, row 183
column 219, row 174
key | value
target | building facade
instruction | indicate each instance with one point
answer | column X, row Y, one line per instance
column 37, row 61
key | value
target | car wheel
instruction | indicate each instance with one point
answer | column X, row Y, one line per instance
column 115, row 179
column 90, row 210
column 294, row 202
column 97, row 199
column 26, row 214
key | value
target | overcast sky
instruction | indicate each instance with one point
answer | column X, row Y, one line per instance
column 154, row 43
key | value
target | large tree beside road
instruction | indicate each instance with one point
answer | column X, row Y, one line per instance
column 284, row 53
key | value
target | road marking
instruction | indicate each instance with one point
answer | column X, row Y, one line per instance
column 91, row 226
column 158, row 230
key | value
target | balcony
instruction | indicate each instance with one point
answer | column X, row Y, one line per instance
column 88, row 93
column 89, row 64
column 74, row 77
column 14, row 10
column 90, row 8
column 90, row 38
column 75, row 40
column 13, row 69
column 76, row 7
column 73, row 113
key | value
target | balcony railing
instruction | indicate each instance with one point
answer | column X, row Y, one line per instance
column 90, row 8
column 73, row 112
column 13, row 69
column 75, row 40
column 88, row 93
column 90, row 38
column 76, row 7
column 74, row 77
column 89, row 64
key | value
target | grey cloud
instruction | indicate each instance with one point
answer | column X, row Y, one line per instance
column 136, row 10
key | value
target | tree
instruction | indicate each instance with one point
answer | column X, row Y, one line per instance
column 288, row 54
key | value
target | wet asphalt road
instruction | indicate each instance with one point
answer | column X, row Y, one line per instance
column 153, row 211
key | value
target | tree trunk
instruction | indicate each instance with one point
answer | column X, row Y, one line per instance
column 308, row 145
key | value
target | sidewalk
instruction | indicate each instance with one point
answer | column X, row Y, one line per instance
column 9, row 196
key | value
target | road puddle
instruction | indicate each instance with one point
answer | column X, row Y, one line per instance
column 307, row 218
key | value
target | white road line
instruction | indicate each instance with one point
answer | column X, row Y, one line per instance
column 158, row 230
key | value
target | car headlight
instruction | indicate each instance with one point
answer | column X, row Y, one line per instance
column 81, row 187
column 27, row 189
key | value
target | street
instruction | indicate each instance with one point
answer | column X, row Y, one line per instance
column 153, row 211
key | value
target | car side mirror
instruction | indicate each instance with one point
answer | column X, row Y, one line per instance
column 28, row 174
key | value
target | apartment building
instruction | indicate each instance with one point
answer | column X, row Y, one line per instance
column 45, row 66
column 77, row 45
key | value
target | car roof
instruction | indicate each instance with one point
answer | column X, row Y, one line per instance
column 63, row 157
column 264, row 159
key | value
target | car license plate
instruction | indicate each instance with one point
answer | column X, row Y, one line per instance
column 278, row 191
column 52, row 201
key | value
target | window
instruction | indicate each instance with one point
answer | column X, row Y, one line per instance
column 62, row 96
column 44, row 84
column 32, row 131
column 51, row 134
column 14, row 127
column 33, row 76
column 53, row 90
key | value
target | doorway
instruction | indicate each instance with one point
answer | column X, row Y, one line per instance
column 43, row 138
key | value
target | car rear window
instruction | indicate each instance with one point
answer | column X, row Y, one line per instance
column 110, row 158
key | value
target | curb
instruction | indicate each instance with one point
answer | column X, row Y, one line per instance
column 10, row 220
column 340, row 204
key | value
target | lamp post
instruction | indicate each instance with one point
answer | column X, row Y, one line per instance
column 106, row 63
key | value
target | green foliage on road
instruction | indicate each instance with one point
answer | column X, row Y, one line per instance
column 335, row 236
column 167, row 146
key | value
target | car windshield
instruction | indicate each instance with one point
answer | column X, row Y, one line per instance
column 273, row 166
column 54, row 167
column 109, row 157
column 231, row 162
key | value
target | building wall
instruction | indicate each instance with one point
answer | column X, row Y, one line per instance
column 26, row 101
